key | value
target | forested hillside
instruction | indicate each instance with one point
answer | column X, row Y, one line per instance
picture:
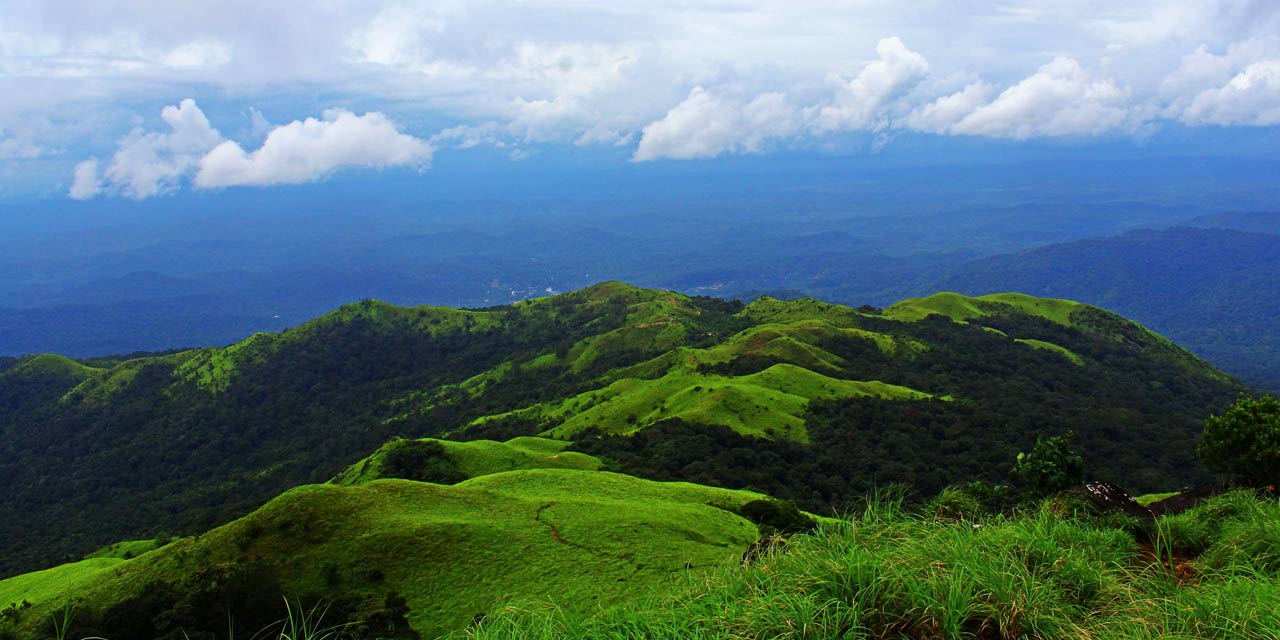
column 802, row 399
column 1214, row 291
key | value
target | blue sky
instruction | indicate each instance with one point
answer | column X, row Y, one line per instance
column 151, row 98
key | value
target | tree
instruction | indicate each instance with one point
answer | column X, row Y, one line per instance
column 1245, row 441
column 1052, row 466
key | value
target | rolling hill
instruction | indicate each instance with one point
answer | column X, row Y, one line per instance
column 404, row 557
column 801, row 399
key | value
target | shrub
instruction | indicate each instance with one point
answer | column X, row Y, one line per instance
column 776, row 517
column 421, row 460
column 1245, row 441
column 1050, row 467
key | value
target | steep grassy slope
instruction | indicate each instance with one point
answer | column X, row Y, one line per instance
column 584, row 539
column 183, row 442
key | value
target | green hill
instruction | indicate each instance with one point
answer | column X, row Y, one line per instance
column 807, row 400
column 1214, row 291
column 466, row 459
column 396, row 551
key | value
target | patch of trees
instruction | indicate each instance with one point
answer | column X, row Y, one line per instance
column 1244, row 441
column 421, row 460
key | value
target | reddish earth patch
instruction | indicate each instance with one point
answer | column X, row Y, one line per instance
column 1181, row 567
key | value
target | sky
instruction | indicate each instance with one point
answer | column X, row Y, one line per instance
column 144, row 99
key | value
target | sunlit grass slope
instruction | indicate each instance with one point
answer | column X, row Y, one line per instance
column 480, row 457
column 585, row 539
column 770, row 403
column 1048, row 573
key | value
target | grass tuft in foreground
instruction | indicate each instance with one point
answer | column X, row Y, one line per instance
column 1047, row 572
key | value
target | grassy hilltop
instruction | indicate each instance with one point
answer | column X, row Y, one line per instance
column 434, row 555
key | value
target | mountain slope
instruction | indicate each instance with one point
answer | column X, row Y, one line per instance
column 1214, row 291
column 653, row 383
column 396, row 552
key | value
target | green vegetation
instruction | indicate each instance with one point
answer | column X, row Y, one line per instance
column 1050, row 467
column 584, row 539
column 1050, row 572
column 770, row 403
column 472, row 459
column 129, row 548
column 1245, row 441
column 813, row 402
column 1049, row 346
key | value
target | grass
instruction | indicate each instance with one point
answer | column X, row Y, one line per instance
column 589, row 540
column 482, row 457
column 1043, row 573
column 126, row 550
column 770, row 403
column 1049, row 346
column 1149, row 499
column 543, row 560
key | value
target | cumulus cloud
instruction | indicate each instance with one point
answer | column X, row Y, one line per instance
column 1251, row 97
column 307, row 150
column 1061, row 98
column 150, row 163
column 85, row 183
column 146, row 164
column 707, row 124
column 861, row 101
column 942, row 114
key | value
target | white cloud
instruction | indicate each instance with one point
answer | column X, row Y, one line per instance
column 707, row 124
column 307, row 150
column 1061, row 98
column 151, row 163
column 1251, row 97
column 85, row 185
column 550, row 120
column 568, row 71
column 197, row 54
column 942, row 114
column 862, row 101
column 147, row 164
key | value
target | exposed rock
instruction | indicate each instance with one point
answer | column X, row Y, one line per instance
column 1108, row 497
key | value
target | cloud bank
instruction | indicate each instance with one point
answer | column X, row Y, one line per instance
column 151, row 163
column 679, row 79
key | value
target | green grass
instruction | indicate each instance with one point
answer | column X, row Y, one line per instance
column 1149, row 499
column 53, row 586
column 125, row 550
column 770, row 403
column 1049, row 346
column 961, row 308
column 584, row 539
column 1052, row 309
column 48, row 364
column 482, row 457
column 887, row 574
